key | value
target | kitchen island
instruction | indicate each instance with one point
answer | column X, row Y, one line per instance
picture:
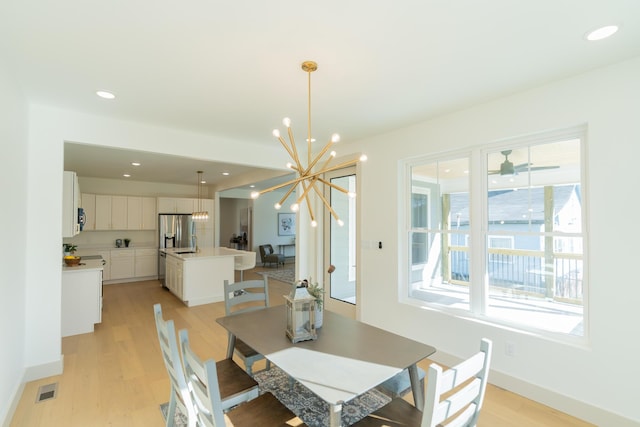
column 198, row 277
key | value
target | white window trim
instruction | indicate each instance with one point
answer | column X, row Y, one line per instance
column 479, row 228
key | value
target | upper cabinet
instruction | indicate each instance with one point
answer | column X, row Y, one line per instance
column 172, row 205
column 105, row 212
column 70, row 204
column 141, row 213
column 88, row 203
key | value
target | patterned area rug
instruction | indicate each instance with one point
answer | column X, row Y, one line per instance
column 306, row 405
column 286, row 276
column 309, row 407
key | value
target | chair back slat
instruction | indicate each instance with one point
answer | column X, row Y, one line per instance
column 203, row 384
column 463, row 385
column 248, row 291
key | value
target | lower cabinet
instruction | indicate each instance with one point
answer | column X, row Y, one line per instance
column 174, row 276
column 122, row 264
column 81, row 301
column 146, row 262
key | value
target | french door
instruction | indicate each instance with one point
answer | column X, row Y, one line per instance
column 340, row 244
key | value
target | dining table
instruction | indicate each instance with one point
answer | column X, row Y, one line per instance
column 347, row 359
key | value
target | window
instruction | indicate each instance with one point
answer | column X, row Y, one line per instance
column 510, row 247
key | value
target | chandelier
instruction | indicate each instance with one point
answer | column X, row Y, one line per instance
column 309, row 176
column 201, row 215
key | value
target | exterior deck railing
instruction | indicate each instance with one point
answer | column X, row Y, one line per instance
column 524, row 272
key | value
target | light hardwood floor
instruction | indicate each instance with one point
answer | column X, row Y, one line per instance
column 116, row 377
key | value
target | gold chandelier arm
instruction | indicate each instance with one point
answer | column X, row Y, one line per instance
column 306, row 199
column 286, row 147
column 319, row 156
column 289, row 191
column 306, row 190
column 332, row 185
column 325, row 201
column 313, row 175
column 295, row 155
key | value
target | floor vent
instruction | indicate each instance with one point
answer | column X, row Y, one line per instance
column 47, row 392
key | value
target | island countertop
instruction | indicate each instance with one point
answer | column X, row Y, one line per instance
column 203, row 253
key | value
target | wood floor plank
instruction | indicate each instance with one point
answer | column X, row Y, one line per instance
column 116, row 376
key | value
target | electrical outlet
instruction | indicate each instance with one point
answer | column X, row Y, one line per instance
column 510, row 348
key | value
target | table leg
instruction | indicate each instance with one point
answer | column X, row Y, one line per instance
column 231, row 345
column 335, row 415
column 418, row 392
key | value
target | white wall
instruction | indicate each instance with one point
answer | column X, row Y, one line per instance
column 13, row 254
column 604, row 374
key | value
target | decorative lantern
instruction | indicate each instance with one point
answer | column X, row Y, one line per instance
column 301, row 315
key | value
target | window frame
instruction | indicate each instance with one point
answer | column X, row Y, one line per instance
column 479, row 232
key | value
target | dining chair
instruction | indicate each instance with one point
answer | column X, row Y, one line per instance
column 179, row 398
column 236, row 386
column 202, row 379
column 241, row 297
column 463, row 387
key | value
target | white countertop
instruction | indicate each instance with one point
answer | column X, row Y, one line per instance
column 203, row 253
column 93, row 264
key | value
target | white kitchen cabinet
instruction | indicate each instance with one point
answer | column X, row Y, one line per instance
column 166, row 205
column 70, row 203
column 141, row 213
column 122, row 264
column 106, row 267
column 146, row 262
column 177, row 205
column 186, row 206
column 103, row 212
column 119, row 212
column 88, row 203
column 173, row 275
column 149, row 215
column 81, row 301
column 134, row 213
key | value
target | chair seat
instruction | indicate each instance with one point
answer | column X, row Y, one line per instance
column 400, row 384
column 244, row 349
column 397, row 413
column 234, row 382
column 265, row 410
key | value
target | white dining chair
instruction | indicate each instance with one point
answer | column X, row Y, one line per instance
column 202, row 379
column 180, row 398
column 454, row 395
column 241, row 297
column 236, row 385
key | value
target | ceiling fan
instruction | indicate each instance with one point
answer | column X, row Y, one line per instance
column 508, row 168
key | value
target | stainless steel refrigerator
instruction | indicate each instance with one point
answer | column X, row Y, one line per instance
column 175, row 231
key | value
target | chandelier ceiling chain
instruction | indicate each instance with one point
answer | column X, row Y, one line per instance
column 307, row 177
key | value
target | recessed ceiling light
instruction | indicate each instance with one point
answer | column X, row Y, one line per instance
column 104, row 94
column 225, row 173
column 252, row 186
column 601, row 33
column 203, row 182
column 135, row 164
column 126, row 175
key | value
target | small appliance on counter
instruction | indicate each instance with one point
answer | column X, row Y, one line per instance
column 118, row 243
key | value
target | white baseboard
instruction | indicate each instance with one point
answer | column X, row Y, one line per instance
column 32, row 373
column 568, row 405
column 46, row 370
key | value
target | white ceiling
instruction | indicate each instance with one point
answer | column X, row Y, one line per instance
column 233, row 68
